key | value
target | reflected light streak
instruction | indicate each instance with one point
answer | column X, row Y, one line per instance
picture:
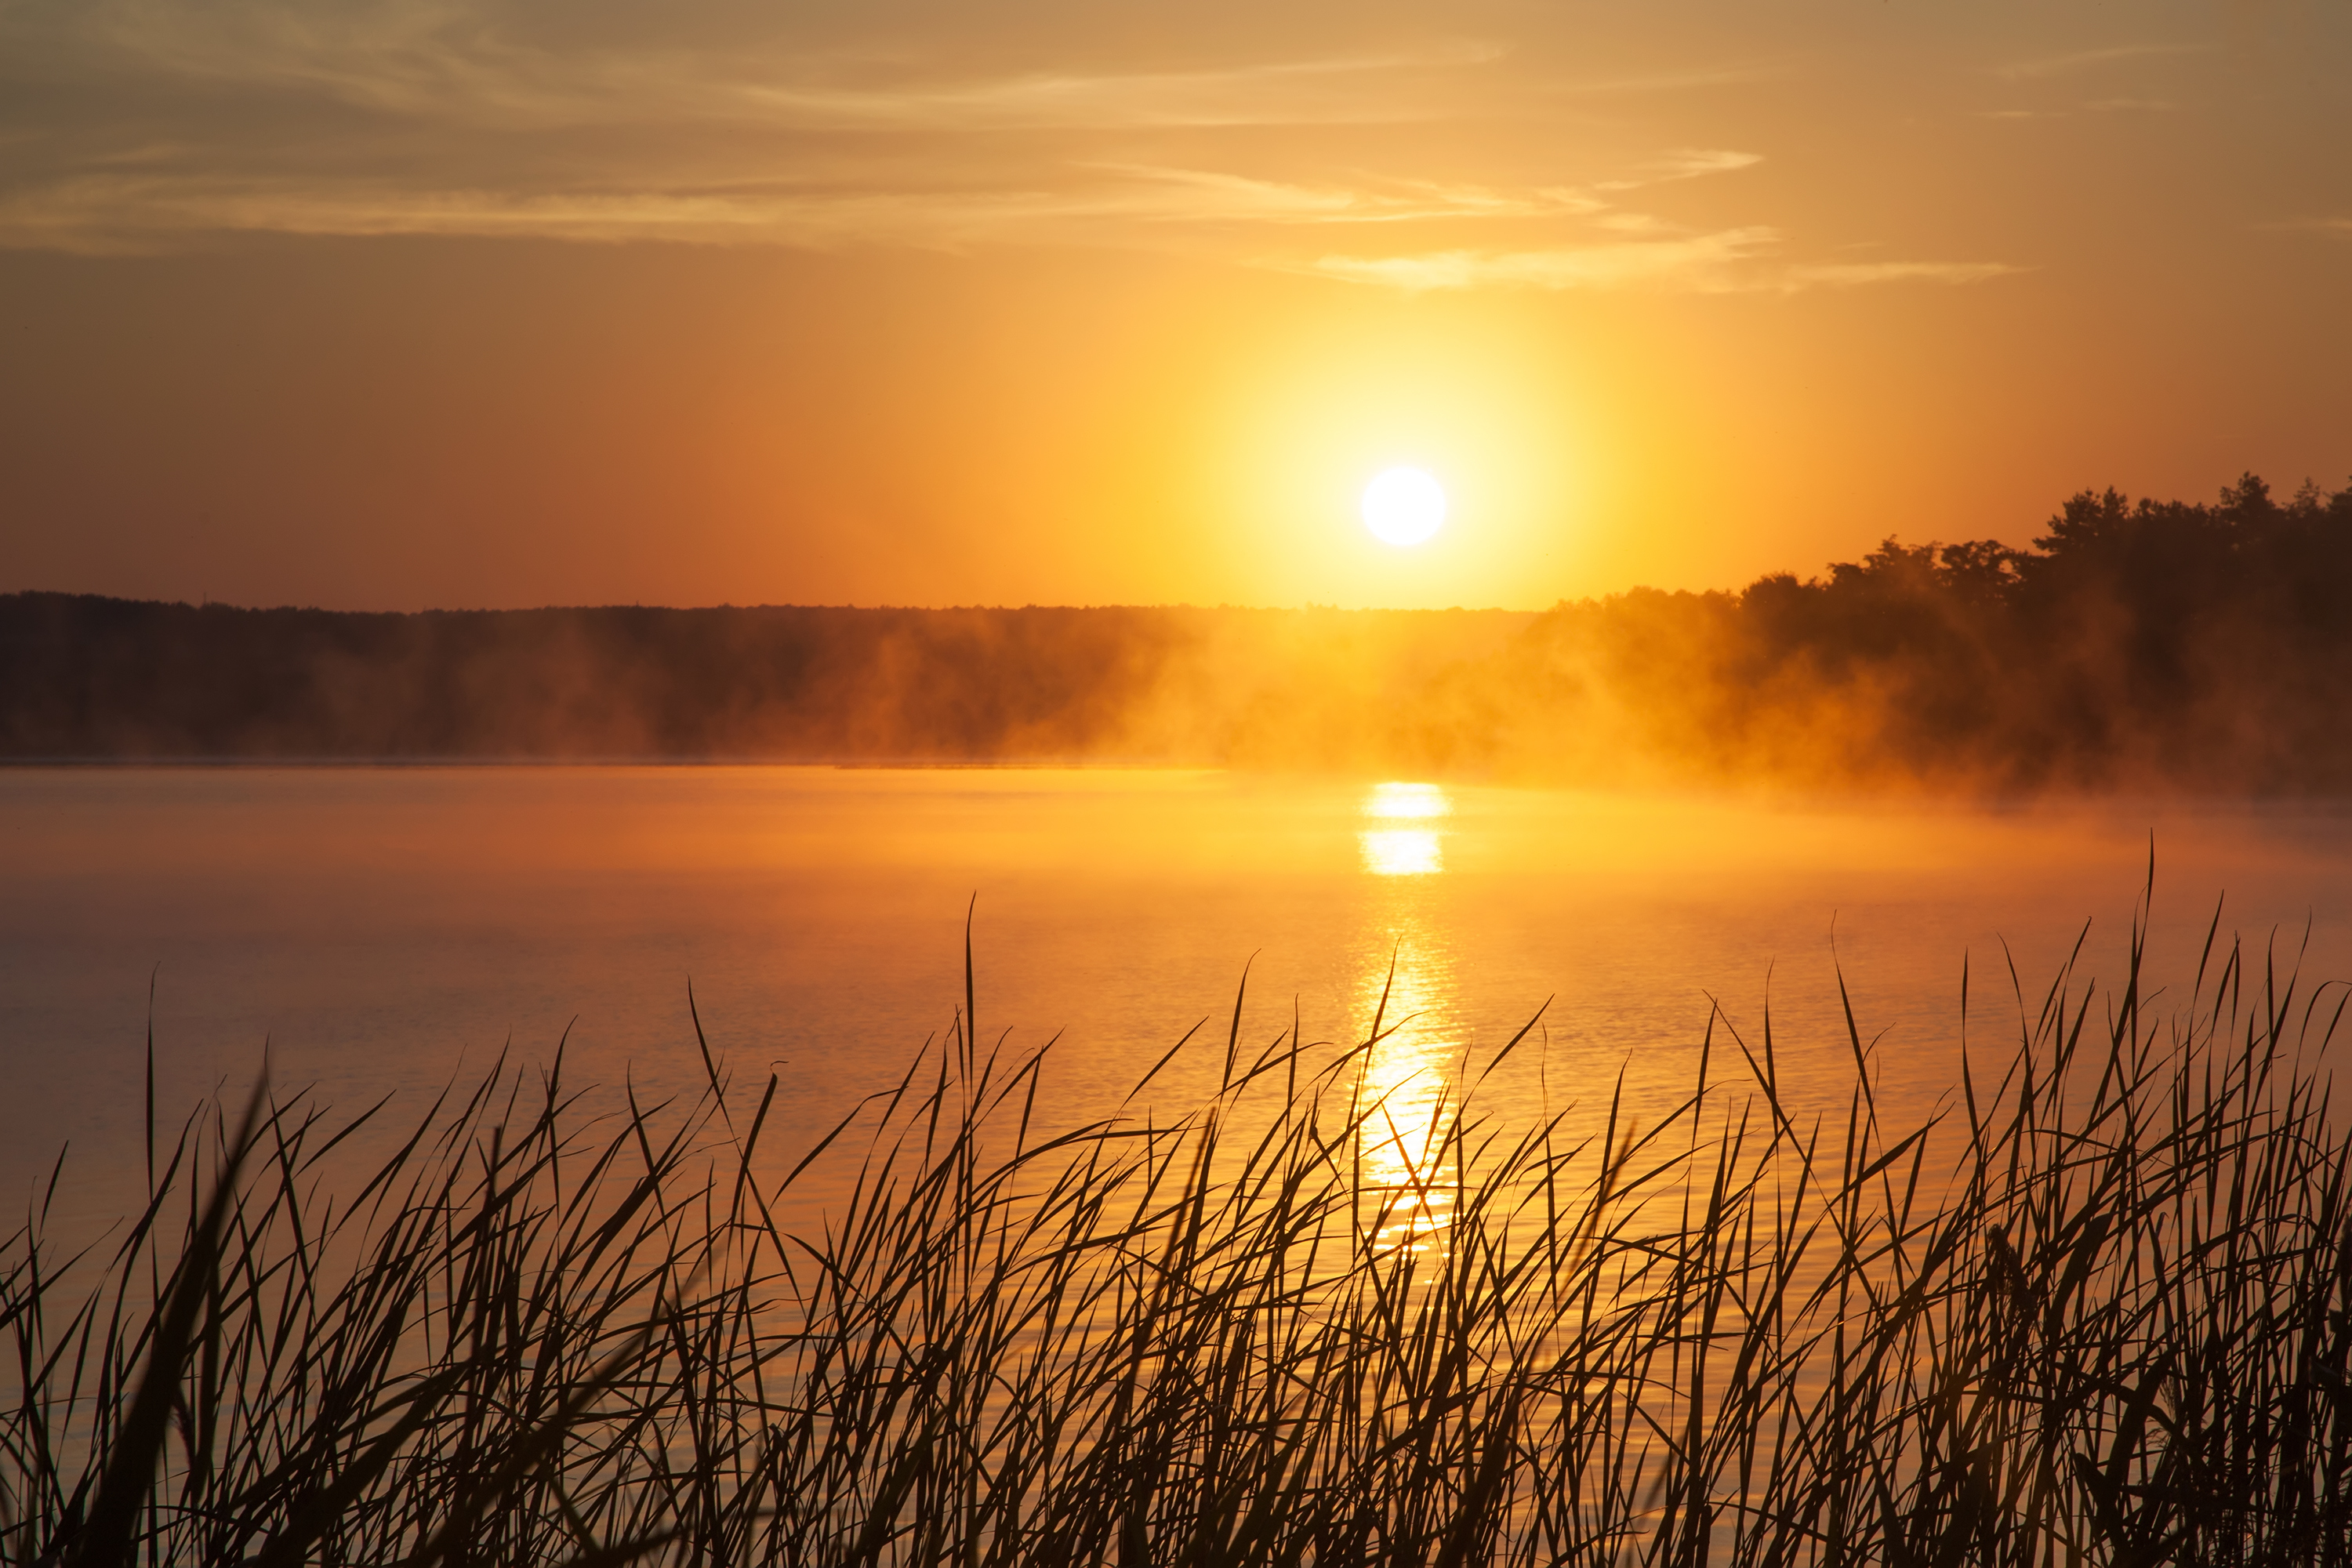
column 1403, row 851
column 1408, row 1103
column 1407, row 800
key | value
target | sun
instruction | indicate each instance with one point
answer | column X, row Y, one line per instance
column 1404, row 506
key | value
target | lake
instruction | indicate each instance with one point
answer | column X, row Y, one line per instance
column 380, row 930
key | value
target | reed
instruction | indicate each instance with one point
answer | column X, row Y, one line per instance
column 2098, row 1311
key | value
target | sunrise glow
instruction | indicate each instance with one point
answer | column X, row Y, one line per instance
column 1281, row 729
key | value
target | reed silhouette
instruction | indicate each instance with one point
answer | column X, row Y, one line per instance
column 2099, row 1310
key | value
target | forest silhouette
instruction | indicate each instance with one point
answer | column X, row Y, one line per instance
column 2135, row 644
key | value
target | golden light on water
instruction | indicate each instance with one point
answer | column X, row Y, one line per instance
column 1404, row 991
column 1408, row 1099
column 1407, row 800
column 1403, row 851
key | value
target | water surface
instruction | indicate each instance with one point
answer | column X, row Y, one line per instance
column 379, row 930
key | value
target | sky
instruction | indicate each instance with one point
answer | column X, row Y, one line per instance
column 392, row 304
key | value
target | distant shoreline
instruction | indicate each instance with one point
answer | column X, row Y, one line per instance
column 2172, row 647
column 894, row 764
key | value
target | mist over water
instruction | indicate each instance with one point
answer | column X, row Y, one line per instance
column 381, row 929
column 2138, row 648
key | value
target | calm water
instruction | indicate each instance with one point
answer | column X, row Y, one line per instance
column 381, row 928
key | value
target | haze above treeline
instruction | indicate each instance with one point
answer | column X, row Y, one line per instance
column 2137, row 644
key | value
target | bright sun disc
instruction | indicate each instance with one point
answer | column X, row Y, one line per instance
column 1404, row 506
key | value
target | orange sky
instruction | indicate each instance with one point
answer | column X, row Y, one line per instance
column 400, row 303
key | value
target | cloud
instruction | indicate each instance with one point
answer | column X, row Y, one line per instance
column 2096, row 106
column 1848, row 274
column 2089, row 60
column 1698, row 261
column 107, row 215
column 1212, row 196
column 147, row 125
column 1680, row 81
column 1689, row 163
column 1301, row 92
column 132, row 208
column 1685, row 163
column 135, row 210
column 1730, row 261
column 143, row 124
column 452, row 66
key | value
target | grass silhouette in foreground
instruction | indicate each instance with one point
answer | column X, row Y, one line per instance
column 2099, row 1312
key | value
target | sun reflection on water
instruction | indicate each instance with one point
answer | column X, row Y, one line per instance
column 1403, row 851
column 1412, row 800
column 1405, row 1008
column 1407, row 1101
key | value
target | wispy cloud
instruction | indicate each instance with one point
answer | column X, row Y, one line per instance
column 1730, row 261
column 131, row 210
column 2096, row 106
column 2089, row 60
column 144, row 125
column 1213, row 196
column 134, row 210
column 1728, row 75
column 1298, row 93
column 1684, row 164
column 1852, row 274
column 157, row 121
column 445, row 65
column 1698, row 261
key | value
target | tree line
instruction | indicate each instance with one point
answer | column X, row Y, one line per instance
column 2135, row 643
